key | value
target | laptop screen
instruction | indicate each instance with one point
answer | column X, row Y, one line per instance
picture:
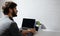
column 28, row 23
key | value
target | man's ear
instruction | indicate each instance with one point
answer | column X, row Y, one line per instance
column 10, row 10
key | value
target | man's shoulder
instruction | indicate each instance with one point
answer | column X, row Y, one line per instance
column 4, row 24
column 5, row 20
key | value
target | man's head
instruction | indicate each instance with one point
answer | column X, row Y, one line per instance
column 9, row 8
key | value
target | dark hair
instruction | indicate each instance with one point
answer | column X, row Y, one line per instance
column 7, row 6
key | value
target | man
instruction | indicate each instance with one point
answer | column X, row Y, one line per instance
column 7, row 25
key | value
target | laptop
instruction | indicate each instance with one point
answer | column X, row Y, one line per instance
column 28, row 23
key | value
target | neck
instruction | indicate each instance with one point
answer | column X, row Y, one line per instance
column 10, row 15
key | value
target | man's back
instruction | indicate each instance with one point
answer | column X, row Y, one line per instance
column 8, row 27
column 4, row 23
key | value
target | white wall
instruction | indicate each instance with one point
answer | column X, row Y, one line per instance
column 1, row 3
column 47, row 11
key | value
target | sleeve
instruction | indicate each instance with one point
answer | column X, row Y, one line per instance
column 14, row 31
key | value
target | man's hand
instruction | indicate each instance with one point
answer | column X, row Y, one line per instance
column 32, row 30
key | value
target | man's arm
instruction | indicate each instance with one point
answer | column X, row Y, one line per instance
column 14, row 31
